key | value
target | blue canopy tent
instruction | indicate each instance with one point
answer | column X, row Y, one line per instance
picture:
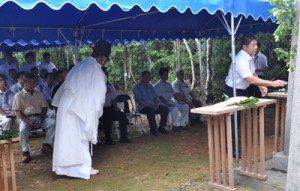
column 78, row 21
column 32, row 22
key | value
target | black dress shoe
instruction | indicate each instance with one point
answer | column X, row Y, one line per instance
column 109, row 141
column 162, row 130
column 176, row 129
column 182, row 128
column 153, row 132
column 125, row 140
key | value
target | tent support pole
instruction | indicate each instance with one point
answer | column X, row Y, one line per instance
column 234, row 87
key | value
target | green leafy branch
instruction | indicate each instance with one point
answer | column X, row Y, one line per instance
column 248, row 102
column 285, row 14
column 8, row 135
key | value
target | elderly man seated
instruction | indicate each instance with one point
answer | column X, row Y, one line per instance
column 165, row 92
column 7, row 118
column 30, row 107
column 184, row 94
column 147, row 102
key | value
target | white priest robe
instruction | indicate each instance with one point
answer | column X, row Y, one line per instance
column 80, row 102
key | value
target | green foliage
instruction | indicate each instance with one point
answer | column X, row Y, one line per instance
column 285, row 14
column 220, row 62
column 248, row 102
column 8, row 134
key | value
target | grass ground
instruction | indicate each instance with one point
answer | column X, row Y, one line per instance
column 174, row 162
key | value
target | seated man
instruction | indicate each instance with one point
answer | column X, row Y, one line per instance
column 8, row 120
column 19, row 85
column 12, row 79
column 30, row 107
column 165, row 92
column 112, row 112
column 29, row 62
column 47, row 87
column 184, row 94
column 147, row 102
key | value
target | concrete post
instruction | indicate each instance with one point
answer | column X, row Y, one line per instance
column 280, row 159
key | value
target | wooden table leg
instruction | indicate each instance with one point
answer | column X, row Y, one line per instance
column 249, row 141
column 4, row 167
column 217, row 148
column 257, row 172
column 282, row 126
column 210, row 148
column 276, row 125
column 12, row 166
column 255, row 141
column 229, row 148
column 262, row 143
column 223, row 150
column 243, row 140
column 1, row 175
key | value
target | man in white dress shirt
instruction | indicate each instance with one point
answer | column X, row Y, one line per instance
column 8, row 62
column 165, row 93
column 184, row 94
column 245, row 71
column 80, row 102
column 29, row 62
column 47, row 64
column 245, row 74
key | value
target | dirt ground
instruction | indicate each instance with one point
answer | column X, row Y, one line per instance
column 164, row 162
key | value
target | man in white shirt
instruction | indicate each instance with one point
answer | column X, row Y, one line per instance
column 7, row 117
column 245, row 74
column 29, row 62
column 245, row 71
column 184, row 94
column 165, row 93
column 47, row 64
column 12, row 79
column 8, row 62
column 80, row 102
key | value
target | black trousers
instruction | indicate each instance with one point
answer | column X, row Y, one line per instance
column 254, row 91
column 150, row 112
column 109, row 115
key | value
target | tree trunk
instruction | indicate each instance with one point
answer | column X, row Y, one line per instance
column 201, row 68
column 125, row 69
column 208, row 65
column 191, row 61
column 177, row 52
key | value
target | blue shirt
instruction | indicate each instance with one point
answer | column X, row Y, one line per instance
column 147, row 94
column 16, row 88
column 6, row 100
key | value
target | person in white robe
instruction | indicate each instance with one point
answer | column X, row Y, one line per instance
column 80, row 102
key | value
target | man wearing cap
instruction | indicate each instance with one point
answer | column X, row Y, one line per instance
column 80, row 102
